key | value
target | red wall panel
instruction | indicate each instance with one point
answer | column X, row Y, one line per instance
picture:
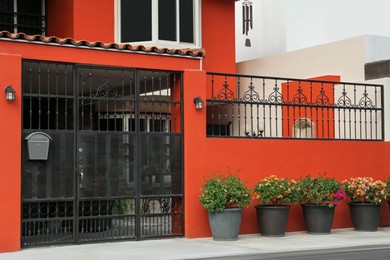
column 10, row 114
column 218, row 36
column 10, row 166
column 87, row 20
column 82, row 20
column 258, row 158
column 94, row 20
column 60, row 18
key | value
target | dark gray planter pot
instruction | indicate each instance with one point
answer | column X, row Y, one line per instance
column 225, row 225
column 272, row 220
column 365, row 216
column 318, row 218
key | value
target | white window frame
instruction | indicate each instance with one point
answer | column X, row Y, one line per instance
column 162, row 43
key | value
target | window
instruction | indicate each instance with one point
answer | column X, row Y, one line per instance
column 26, row 16
column 158, row 22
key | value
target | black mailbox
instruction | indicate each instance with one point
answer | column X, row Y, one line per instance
column 38, row 145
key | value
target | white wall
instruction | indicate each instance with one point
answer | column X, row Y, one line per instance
column 268, row 35
column 377, row 48
column 286, row 25
column 345, row 58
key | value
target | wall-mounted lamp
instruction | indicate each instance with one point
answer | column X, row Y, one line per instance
column 9, row 93
column 198, row 103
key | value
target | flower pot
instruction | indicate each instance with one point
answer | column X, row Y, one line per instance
column 225, row 225
column 272, row 219
column 318, row 218
column 365, row 216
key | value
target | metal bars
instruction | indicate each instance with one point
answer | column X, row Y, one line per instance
column 286, row 108
column 23, row 16
column 121, row 129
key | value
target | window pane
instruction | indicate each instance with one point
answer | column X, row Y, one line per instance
column 30, row 7
column 187, row 21
column 6, row 17
column 167, row 20
column 29, row 16
column 161, row 169
column 136, row 20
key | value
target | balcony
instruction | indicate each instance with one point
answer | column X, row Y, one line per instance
column 247, row 106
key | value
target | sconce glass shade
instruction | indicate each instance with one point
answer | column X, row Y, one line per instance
column 9, row 93
column 198, row 103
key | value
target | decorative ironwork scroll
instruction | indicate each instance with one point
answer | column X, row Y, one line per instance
column 344, row 100
column 225, row 93
column 251, row 94
column 105, row 91
column 299, row 97
column 322, row 99
column 365, row 101
column 275, row 96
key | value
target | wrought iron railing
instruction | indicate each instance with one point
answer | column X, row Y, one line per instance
column 21, row 22
column 270, row 107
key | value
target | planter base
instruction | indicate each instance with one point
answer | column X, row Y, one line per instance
column 365, row 216
column 318, row 218
column 272, row 220
column 225, row 225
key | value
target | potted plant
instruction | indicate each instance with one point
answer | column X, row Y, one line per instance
column 272, row 213
column 224, row 197
column 318, row 197
column 366, row 195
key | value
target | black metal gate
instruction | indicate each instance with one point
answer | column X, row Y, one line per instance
column 115, row 161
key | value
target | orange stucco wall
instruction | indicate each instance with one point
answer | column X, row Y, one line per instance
column 60, row 18
column 94, row 20
column 218, row 36
column 286, row 158
column 87, row 20
column 258, row 158
column 84, row 20
column 10, row 166
column 10, row 113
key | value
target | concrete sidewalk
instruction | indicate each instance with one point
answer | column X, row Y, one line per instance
column 183, row 248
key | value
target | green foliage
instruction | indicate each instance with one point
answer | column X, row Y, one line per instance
column 123, row 206
column 388, row 188
column 365, row 189
column 224, row 191
column 320, row 190
column 276, row 191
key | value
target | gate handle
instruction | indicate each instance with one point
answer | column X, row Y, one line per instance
column 81, row 173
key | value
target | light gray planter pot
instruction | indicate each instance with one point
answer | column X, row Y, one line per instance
column 225, row 225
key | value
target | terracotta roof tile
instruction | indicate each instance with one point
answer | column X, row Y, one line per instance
column 97, row 44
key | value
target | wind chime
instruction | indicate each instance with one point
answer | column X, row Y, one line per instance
column 247, row 20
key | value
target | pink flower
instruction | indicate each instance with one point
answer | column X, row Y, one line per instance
column 340, row 195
